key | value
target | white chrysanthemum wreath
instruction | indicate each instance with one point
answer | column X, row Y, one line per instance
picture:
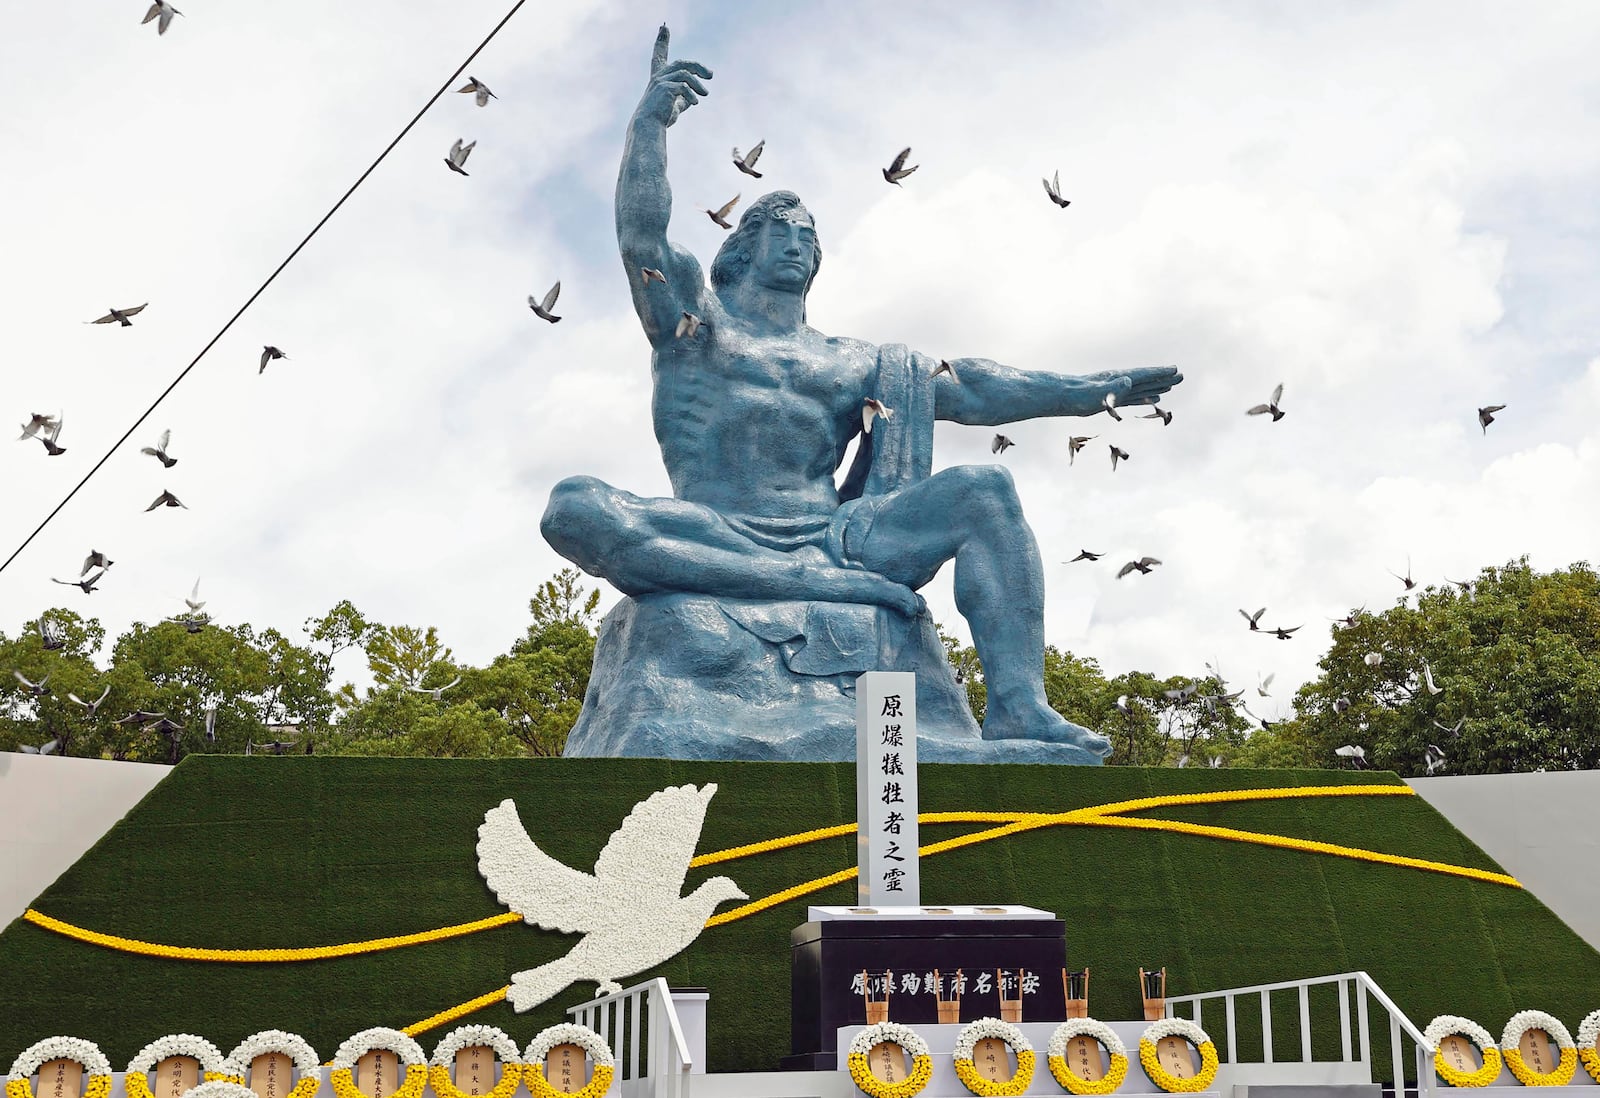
column 505, row 1050
column 87, row 1053
column 1447, row 1025
column 1511, row 1049
column 568, row 1033
column 214, row 1066
column 914, row 1047
column 1160, row 1030
column 1056, row 1056
column 1588, row 1035
column 299, row 1051
column 407, row 1051
column 220, row 1088
column 1015, row 1040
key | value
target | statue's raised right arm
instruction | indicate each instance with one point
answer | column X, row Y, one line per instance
column 644, row 198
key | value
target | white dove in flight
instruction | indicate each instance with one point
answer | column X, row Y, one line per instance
column 630, row 910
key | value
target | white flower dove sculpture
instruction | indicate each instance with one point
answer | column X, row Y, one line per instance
column 629, row 911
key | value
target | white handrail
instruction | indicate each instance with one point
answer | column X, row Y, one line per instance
column 1361, row 1054
column 668, row 1063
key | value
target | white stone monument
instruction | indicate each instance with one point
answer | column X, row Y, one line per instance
column 886, row 789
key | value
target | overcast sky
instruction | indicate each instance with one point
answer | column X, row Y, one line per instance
column 1389, row 208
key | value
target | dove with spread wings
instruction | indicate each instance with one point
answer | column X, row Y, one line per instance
column 629, row 910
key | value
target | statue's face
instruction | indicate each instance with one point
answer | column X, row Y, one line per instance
column 785, row 251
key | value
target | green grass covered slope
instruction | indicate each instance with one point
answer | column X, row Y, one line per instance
column 289, row 852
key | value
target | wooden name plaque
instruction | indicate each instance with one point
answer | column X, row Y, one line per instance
column 1174, row 1056
column 377, row 1073
column 175, row 1076
column 991, row 1059
column 1083, row 1057
column 888, row 1062
column 475, row 1070
column 1536, row 1051
column 564, row 1069
column 60, row 1079
column 271, row 1075
column 1460, row 1053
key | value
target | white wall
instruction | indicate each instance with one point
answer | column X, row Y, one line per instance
column 54, row 809
column 1543, row 828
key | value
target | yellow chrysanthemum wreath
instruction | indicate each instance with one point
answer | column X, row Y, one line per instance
column 505, row 1050
column 1449, row 1024
column 215, row 1067
column 1096, row 1031
column 1588, row 1034
column 1511, row 1049
column 967, row 1071
column 1163, row 1028
column 19, row 1081
column 568, row 1033
column 907, row 1039
column 299, row 1051
column 407, row 1051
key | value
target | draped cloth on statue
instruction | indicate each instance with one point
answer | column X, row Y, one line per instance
column 693, row 676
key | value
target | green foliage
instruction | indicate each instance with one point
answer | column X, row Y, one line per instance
column 401, row 655
column 1516, row 660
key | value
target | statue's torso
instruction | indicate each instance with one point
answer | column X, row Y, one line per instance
column 757, row 424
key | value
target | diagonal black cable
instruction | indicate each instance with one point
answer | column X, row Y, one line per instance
column 451, row 79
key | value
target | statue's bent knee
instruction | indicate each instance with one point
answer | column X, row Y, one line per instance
column 574, row 520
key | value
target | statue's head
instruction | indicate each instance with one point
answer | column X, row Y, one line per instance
column 774, row 243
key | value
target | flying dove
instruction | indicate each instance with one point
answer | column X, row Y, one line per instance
column 140, row 716
column 747, row 162
column 1052, row 187
column 49, row 435
column 159, row 450
column 1117, row 454
column 1355, row 753
column 1262, row 684
column 51, row 638
column 870, row 409
column 688, row 325
column 897, row 171
column 85, row 585
column 1427, row 678
column 120, row 316
column 1271, row 407
column 1076, row 443
column 1372, row 659
column 167, row 498
column 1254, row 619
column 630, row 911
column 36, row 423
column 91, row 708
column 1157, row 413
column 437, row 692
column 648, row 273
column 1284, row 634
column 163, row 13
column 457, row 159
column 1486, row 415
column 1433, row 757
column 1142, row 566
column 269, row 354
column 37, row 689
column 1084, row 554
column 541, row 309
column 1109, row 403
column 477, row 88
column 720, row 216
column 1000, row 444
column 944, row 367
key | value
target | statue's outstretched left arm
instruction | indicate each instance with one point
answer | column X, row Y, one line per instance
column 986, row 393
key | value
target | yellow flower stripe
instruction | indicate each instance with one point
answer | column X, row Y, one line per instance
column 310, row 953
column 1309, row 846
column 781, row 843
column 460, row 1010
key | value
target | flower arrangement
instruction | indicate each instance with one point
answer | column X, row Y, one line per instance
column 1588, row 1034
column 214, row 1067
column 907, row 1039
column 295, row 1047
column 220, row 1088
column 1163, row 1028
column 505, row 1050
column 29, row 1060
column 1098, row 1031
column 407, row 1051
column 568, row 1033
column 967, row 1071
column 1511, row 1049
column 1447, row 1025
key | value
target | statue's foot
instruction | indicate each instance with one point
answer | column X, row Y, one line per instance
column 1040, row 722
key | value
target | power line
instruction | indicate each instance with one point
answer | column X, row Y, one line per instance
column 451, row 79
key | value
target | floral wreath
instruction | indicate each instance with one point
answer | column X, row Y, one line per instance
column 407, row 1051
column 1588, row 1033
column 967, row 1072
column 219, row 1088
column 214, row 1067
column 292, row 1045
column 505, row 1050
column 1163, row 1028
column 1446, row 1025
column 1511, row 1049
column 567, row 1033
column 35, row 1056
column 907, row 1039
column 1098, row 1031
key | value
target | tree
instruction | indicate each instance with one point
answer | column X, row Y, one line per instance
column 402, row 655
column 1514, row 658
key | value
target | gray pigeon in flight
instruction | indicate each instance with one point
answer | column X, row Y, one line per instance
column 720, row 215
column 1486, row 415
column 269, row 354
column 163, row 13
column 747, row 162
column 541, row 309
column 1269, row 408
column 120, row 316
column 478, row 88
column 1052, row 187
column 630, row 911
column 897, row 171
column 159, row 450
column 457, row 160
